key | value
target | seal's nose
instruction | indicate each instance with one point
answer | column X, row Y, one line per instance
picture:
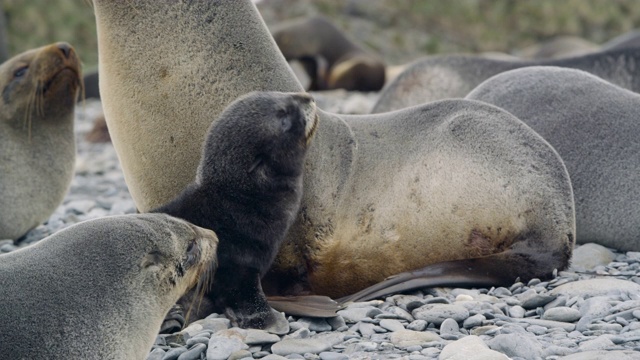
column 65, row 49
column 303, row 98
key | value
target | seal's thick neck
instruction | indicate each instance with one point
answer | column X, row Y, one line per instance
column 167, row 70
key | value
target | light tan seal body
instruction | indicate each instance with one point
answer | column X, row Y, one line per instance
column 382, row 194
column 37, row 145
column 99, row 289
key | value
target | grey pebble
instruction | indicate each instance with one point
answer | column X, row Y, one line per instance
column 315, row 324
column 240, row 354
column 449, row 326
column 437, row 313
column 193, row 353
column 254, row 337
column 333, row 356
column 336, row 323
column 221, row 347
column 474, row 321
column 517, row 312
column 391, row 324
column 417, row 325
column 300, row 346
column 516, row 345
column 599, row 343
column 156, row 354
column 173, row 354
column 565, row 314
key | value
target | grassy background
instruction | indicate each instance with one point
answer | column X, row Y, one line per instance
column 400, row 30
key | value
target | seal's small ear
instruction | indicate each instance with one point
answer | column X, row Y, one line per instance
column 152, row 261
column 258, row 160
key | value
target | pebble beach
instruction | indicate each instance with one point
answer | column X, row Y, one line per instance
column 591, row 311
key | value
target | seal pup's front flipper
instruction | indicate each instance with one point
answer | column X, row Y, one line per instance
column 484, row 271
column 309, row 305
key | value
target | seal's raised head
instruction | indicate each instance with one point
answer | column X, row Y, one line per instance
column 41, row 82
column 276, row 130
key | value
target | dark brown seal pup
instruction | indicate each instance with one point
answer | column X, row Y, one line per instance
column 248, row 190
column 457, row 184
column 99, row 289
column 595, row 126
column 331, row 60
column 39, row 89
column 454, row 76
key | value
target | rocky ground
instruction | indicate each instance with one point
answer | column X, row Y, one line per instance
column 591, row 311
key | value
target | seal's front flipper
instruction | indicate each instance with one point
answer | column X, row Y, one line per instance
column 494, row 270
column 310, row 305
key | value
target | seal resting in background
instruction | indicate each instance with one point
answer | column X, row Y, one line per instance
column 454, row 76
column 37, row 143
column 594, row 127
column 458, row 185
column 99, row 289
column 248, row 189
column 330, row 58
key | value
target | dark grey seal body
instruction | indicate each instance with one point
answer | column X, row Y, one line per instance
column 99, row 289
column 39, row 89
column 248, row 190
column 454, row 76
column 595, row 127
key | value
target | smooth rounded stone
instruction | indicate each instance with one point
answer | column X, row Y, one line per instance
column 404, row 338
column 403, row 300
column 417, row 325
column 241, row 354
column 463, row 297
column 380, row 330
column 260, row 354
column 517, row 312
column 300, row 346
column 336, row 323
column 437, row 300
column 530, row 299
column 591, row 309
column 316, row 324
column 470, row 348
column 602, row 355
column 516, row 345
column 437, row 313
column 590, row 255
column 555, row 350
column 366, row 329
column 391, row 325
column 254, row 337
column 597, row 287
column 605, row 327
column 549, row 324
column 215, row 324
column 362, row 346
column 565, row 314
column 224, row 343
column 354, row 314
column 192, row 329
column 473, row 321
column 6, row 248
column 328, row 355
column 537, row 330
column 301, row 333
column 193, row 353
column 599, row 343
column 398, row 313
column 278, row 357
column 626, row 305
column 449, row 326
column 460, row 291
column 484, row 330
column 413, row 348
column 173, row 354
column 197, row 340
column 373, row 313
column 501, row 291
column 156, row 354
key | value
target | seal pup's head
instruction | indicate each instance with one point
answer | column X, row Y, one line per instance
column 40, row 84
column 276, row 130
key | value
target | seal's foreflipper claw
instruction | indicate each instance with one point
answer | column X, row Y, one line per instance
column 174, row 321
column 311, row 305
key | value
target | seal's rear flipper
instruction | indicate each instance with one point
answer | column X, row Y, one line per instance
column 494, row 270
column 311, row 305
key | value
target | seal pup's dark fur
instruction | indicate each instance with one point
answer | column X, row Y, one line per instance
column 248, row 189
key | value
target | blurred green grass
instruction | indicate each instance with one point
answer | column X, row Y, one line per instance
column 436, row 25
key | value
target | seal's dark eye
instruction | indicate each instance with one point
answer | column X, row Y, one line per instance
column 192, row 254
column 281, row 113
column 20, row 71
column 191, row 245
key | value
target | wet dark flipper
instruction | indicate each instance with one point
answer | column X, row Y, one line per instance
column 494, row 270
column 311, row 305
column 174, row 321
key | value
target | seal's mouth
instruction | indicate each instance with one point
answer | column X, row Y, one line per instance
column 66, row 72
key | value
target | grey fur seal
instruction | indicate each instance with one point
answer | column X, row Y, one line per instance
column 99, row 289
column 37, row 144
column 248, row 190
column 458, row 185
column 454, row 76
column 594, row 127
column 559, row 47
column 331, row 59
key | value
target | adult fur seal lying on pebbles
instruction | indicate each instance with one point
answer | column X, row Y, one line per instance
column 248, row 189
column 99, row 289
column 594, row 125
column 331, row 60
column 454, row 76
column 459, row 187
column 37, row 144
